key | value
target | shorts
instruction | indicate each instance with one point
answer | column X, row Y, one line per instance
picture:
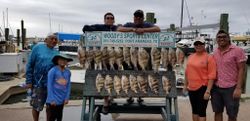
column 198, row 104
column 38, row 98
column 223, row 97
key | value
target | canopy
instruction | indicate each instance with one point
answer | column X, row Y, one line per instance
column 241, row 38
column 67, row 36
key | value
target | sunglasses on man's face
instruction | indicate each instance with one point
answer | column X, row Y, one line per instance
column 198, row 43
column 222, row 37
column 110, row 18
column 53, row 38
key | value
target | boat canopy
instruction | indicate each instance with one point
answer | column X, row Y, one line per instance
column 241, row 38
column 68, row 36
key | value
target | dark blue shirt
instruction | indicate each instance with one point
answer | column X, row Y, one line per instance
column 99, row 27
column 144, row 25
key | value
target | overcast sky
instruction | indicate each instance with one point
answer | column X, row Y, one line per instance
column 71, row 15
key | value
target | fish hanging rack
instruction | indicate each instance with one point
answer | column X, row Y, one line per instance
column 168, row 107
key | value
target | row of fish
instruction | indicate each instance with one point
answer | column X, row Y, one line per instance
column 134, row 83
column 132, row 56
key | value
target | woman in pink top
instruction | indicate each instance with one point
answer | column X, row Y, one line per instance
column 199, row 76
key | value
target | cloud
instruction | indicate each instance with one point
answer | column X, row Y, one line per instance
column 71, row 16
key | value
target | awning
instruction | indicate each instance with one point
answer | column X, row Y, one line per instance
column 240, row 38
column 68, row 36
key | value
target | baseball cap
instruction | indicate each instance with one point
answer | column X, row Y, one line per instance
column 50, row 34
column 139, row 13
column 199, row 40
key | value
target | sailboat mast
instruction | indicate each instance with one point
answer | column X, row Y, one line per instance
column 7, row 18
column 182, row 6
column 50, row 23
column 3, row 20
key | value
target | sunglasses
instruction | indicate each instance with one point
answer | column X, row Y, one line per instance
column 198, row 43
column 53, row 38
column 222, row 37
column 112, row 18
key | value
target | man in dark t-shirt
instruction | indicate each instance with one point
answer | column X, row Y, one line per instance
column 139, row 26
column 109, row 20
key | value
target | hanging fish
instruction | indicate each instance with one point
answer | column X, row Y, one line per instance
column 98, row 58
column 180, row 57
column 166, row 84
column 105, row 57
column 134, row 57
column 172, row 56
column 125, row 84
column 143, row 84
column 112, row 57
column 143, row 58
column 99, row 82
column 153, row 84
column 164, row 58
column 126, row 55
column 109, row 84
column 117, row 84
column 90, row 57
column 119, row 57
column 155, row 59
column 82, row 55
column 133, row 83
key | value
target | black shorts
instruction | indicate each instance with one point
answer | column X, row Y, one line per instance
column 223, row 97
column 198, row 104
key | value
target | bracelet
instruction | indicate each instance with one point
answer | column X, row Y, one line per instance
column 207, row 92
column 238, row 87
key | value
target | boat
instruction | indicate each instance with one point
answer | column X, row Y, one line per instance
column 242, row 41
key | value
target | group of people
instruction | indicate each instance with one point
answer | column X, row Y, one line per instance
column 139, row 26
column 47, row 74
column 218, row 76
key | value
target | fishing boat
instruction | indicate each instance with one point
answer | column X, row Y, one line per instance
column 242, row 41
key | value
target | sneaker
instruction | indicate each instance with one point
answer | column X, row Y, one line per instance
column 112, row 102
column 130, row 100
column 140, row 101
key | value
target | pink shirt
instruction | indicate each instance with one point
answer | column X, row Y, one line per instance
column 227, row 65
